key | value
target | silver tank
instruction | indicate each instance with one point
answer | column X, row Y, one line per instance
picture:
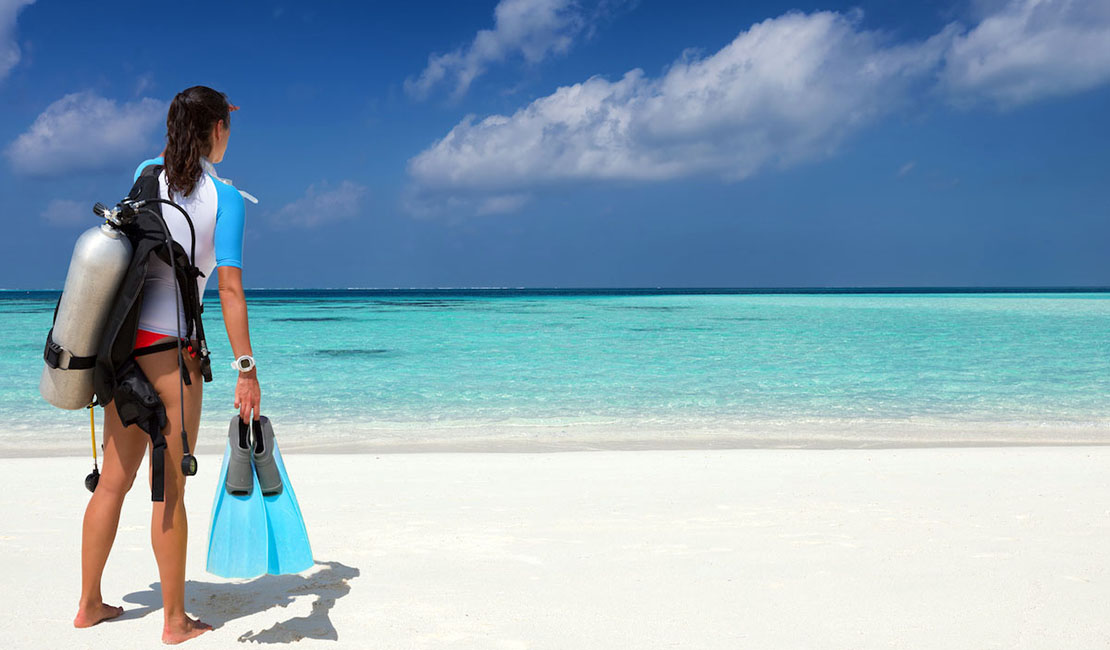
column 100, row 260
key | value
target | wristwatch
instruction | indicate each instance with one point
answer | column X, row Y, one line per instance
column 244, row 363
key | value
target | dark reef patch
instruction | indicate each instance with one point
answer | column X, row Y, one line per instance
column 352, row 352
column 647, row 307
column 676, row 328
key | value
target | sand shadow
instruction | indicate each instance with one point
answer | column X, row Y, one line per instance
column 219, row 603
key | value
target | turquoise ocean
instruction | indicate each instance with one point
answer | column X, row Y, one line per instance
column 381, row 370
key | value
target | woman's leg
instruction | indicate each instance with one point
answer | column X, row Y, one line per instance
column 123, row 453
column 169, row 528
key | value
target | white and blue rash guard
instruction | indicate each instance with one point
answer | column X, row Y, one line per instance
column 217, row 211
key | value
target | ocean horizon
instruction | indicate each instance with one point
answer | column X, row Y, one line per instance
column 556, row 369
column 694, row 290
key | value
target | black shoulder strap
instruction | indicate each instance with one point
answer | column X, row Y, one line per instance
column 118, row 337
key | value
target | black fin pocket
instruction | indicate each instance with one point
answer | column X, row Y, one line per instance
column 136, row 400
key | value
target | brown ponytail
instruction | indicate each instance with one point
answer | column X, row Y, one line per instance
column 189, row 123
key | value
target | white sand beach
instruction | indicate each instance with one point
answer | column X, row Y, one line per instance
column 1003, row 547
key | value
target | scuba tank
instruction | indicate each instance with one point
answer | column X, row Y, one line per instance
column 96, row 269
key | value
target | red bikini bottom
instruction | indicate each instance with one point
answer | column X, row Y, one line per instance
column 145, row 337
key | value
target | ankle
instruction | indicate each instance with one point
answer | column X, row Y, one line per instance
column 90, row 602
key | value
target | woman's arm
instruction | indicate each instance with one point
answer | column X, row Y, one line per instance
column 248, row 394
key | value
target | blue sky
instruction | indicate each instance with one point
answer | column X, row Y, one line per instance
column 586, row 143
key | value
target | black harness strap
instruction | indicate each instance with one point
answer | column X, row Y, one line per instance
column 157, row 347
column 162, row 347
column 157, row 459
column 55, row 356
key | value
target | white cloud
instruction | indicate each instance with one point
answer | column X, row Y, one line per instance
column 1029, row 49
column 144, row 83
column 531, row 29
column 323, row 204
column 63, row 212
column 84, row 131
column 9, row 49
column 906, row 168
column 500, row 204
column 786, row 90
column 455, row 207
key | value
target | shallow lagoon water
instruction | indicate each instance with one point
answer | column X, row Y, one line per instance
column 443, row 369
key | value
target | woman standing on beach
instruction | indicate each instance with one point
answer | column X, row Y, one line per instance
column 196, row 136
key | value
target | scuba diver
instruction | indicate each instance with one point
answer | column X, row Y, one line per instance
column 169, row 350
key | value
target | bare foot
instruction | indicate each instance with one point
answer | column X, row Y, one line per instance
column 179, row 632
column 90, row 616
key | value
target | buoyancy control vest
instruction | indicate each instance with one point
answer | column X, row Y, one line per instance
column 116, row 375
column 147, row 235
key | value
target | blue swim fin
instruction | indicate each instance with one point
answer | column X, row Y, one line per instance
column 237, row 537
column 287, row 547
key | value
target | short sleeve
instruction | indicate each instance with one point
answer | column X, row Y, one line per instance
column 145, row 163
column 230, row 223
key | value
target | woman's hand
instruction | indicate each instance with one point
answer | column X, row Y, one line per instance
column 248, row 396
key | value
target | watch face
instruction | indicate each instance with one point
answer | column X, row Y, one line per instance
column 245, row 364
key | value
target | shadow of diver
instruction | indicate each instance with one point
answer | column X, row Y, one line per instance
column 218, row 603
